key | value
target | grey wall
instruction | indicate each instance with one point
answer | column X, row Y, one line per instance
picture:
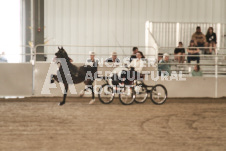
column 121, row 22
column 38, row 16
column 26, row 31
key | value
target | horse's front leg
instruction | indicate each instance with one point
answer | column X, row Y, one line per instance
column 53, row 78
column 65, row 94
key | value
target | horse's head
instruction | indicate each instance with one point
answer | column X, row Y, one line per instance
column 61, row 53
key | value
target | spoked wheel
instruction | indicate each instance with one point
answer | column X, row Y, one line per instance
column 140, row 93
column 106, row 94
column 158, row 94
column 126, row 95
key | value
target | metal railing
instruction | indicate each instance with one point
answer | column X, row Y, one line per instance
column 25, row 53
column 168, row 34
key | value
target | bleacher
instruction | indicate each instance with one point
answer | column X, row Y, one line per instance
column 166, row 35
column 207, row 65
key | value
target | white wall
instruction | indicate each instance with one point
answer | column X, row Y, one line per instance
column 16, row 79
column 121, row 22
column 19, row 82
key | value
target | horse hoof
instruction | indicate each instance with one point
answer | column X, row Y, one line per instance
column 82, row 93
column 52, row 81
column 61, row 103
column 92, row 101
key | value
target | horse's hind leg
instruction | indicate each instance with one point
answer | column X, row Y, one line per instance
column 65, row 95
column 93, row 95
column 82, row 92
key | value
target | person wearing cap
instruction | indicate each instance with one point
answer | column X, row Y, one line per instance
column 163, row 67
column 199, row 38
column 133, row 56
column 92, row 59
column 193, row 51
column 113, row 58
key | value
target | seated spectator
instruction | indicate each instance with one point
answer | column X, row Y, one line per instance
column 196, row 71
column 199, row 38
column 136, row 66
column 193, row 51
column 133, row 56
column 163, row 67
column 179, row 53
column 160, row 55
column 137, row 63
column 211, row 39
column 92, row 61
column 113, row 58
column 142, row 55
column 3, row 58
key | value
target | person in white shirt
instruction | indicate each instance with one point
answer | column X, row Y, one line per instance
column 137, row 65
column 93, row 62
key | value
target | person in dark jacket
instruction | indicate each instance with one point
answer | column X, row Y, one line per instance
column 133, row 56
column 193, row 52
column 179, row 53
column 211, row 38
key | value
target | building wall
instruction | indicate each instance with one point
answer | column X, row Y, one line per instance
column 120, row 22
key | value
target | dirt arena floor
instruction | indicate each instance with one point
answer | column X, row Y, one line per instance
column 39, row 124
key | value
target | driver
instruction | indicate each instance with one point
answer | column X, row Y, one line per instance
column 136, row 66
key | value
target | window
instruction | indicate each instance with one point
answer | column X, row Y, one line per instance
column 10, row 37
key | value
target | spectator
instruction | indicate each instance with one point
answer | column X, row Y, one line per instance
column 160, row 55
column 92, row 61
column 179, row 53
column 193, row 51
column 3, row 58
column 133, row 56
column 163, row 67
column 136, row 68
column 196, row 71
column 138, row 63
column 199, row 38
column 142, row 56
column 211, row 39
column 113, row 58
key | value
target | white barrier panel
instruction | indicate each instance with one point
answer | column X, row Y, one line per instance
column 192, row 87
column 41, row 70
column 221, row 87
column 15, row 79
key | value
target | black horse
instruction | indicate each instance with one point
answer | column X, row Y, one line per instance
column 78, row 74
